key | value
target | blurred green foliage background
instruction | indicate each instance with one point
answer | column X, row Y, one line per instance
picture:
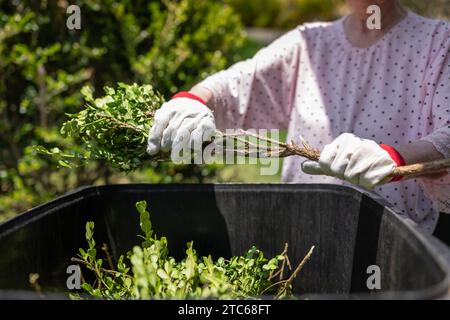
column 170, row 44
column 285, row 14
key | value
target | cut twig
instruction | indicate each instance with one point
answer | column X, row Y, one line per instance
column 120, row 123
column 111, row 272
column 33, row 280
column 420, row 169
column 297, row 270
column 272, row 286
column 280, row 271
column 276, row 149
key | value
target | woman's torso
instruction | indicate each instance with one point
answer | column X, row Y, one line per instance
column 384, row 92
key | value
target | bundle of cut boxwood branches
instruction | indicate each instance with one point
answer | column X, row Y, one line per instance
column 149, row 272
column 114, row 128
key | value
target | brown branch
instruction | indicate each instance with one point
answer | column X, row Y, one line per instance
column 111, row 272
column 279, row 149
column 295, row 273
column 420, row 169
column 288, row 281
column 306, row 151
column 280, row 271
column 272, row 286
column 33, row 280
column 121, row 123
column 150, row 113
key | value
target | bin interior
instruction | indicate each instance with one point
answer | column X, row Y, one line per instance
column 350, row 231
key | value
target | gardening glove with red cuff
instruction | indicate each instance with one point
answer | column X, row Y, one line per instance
column 184, row 122
column 359, row 161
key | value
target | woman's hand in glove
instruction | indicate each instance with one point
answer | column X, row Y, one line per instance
column 359, row 161
column 183, row 123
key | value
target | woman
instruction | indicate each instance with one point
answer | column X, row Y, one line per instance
column 370, row 99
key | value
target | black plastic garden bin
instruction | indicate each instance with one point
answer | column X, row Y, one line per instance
column 350, row 230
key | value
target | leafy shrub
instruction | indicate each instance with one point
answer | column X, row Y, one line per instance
column 113, row 128
column 169, row 44
column 152, row 273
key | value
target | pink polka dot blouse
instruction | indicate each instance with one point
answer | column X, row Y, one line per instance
column 314, row 83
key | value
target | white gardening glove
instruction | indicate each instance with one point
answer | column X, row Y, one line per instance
column 359, row 161
column 181, row 123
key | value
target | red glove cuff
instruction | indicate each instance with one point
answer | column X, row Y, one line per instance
column 185, row 94
column 396, row 156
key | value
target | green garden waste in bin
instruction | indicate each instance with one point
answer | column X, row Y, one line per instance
column 355, row 235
